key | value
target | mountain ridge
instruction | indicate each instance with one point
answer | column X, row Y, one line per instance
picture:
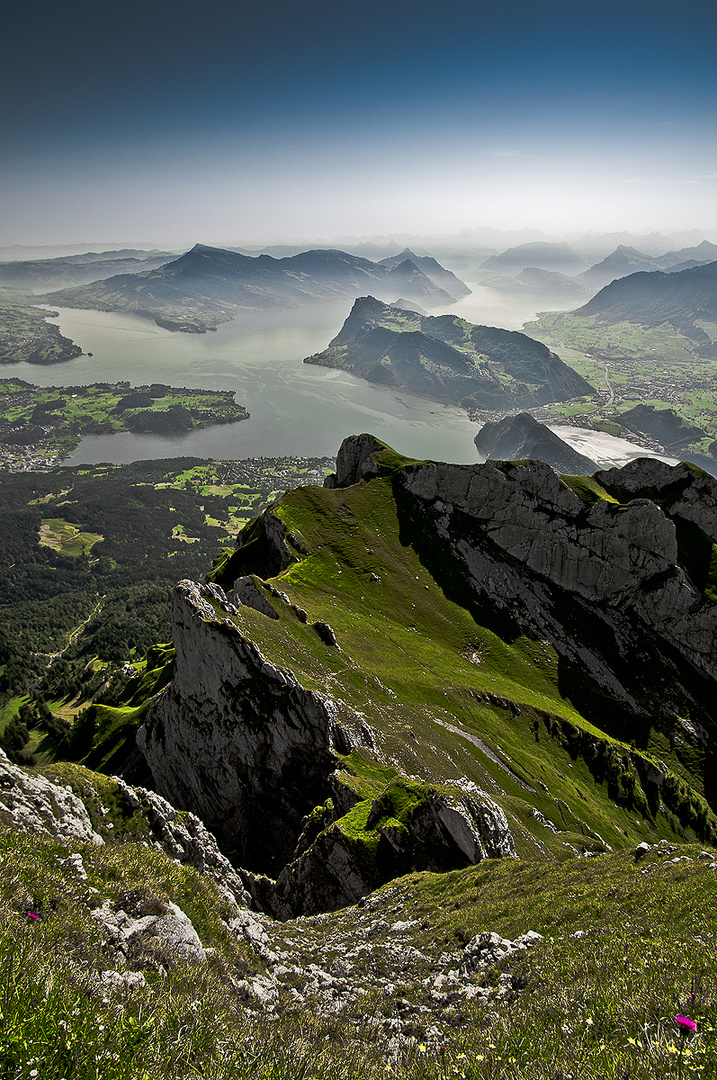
column 206, row 286
column 429, row 639
column 651, row 298
column 446, row 358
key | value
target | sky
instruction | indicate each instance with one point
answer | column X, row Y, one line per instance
column 174, row 122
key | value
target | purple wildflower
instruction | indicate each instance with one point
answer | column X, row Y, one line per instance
column 32, row 915
column 686, row 1025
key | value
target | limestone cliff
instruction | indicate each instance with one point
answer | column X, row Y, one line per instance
column 615, row 572
column 236, row 739
column 243, row 744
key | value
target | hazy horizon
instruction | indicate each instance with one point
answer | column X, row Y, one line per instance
column 152, row 123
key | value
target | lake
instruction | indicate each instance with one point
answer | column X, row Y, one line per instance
column 296, row 409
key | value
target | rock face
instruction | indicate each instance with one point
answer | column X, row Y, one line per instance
column 253, row 752
column 235, row 739
column 185, row 838
column 613, row 575
column 603, row 581
column 354, row 461
column 446, row 832
column 34, row 804
column 686, row 495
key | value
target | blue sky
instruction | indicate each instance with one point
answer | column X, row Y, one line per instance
column 174, row 122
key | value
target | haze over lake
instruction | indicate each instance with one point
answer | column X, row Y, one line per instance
column 296, row 409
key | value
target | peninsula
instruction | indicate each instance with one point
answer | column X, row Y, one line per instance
column 40, row 426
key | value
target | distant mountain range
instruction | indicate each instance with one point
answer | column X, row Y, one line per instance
column 207, row 286
column 432, row 269
column 544, row 256
column 40, row 275
column 446, row 358
column 627, row 260
column 537, row 280
column 552, row 268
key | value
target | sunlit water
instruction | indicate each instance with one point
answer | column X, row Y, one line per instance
column 605, row 449
column 296, row 409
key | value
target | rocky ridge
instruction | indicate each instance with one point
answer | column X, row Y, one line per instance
column 265, row 750
column 300, row 784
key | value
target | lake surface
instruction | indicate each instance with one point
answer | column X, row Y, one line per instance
column 296, row 409
column 607, row 450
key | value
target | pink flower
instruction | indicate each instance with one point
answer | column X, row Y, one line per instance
column 33, row 915
column 686, row 1025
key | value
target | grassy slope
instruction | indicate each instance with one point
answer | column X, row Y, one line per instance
column 437, row 688
column 625, row 946
column 597, row 1005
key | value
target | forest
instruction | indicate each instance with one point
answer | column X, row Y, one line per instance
column 88, row 560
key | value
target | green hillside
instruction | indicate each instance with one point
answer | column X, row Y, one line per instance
column 571, row 957
column 620, row 956
column 448, row 698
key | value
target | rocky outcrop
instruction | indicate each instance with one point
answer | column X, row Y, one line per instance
column 183, row 837
column 164, row 932
column 489, row 948
column 236, row 739
column 683, row 492
column 445, row 831
column 355, row 462
column 32, row 803
column 252, row 752
column 601, row 552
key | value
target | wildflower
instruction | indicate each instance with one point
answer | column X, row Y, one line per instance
column 32, row 915
column 685, row 1025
